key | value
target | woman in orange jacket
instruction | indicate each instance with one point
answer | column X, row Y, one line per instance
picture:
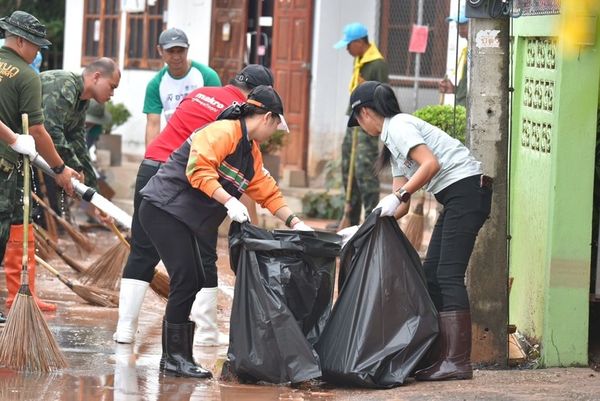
column 191, row 195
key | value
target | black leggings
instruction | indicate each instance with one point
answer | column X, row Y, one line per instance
column 178, row 248
column 144, row 257
column 466, row 207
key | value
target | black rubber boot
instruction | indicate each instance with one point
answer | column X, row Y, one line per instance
column 178, row 351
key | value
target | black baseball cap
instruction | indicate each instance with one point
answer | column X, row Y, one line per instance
column 266, row 98
column 362, row 95
column 254, row 75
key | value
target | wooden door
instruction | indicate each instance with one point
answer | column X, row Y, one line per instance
column 228, row 37
column 291, row 57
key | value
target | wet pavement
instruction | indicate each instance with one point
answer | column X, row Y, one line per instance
column 99, row 369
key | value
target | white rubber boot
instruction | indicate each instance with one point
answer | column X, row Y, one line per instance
column 204, row 314
column 131, row 298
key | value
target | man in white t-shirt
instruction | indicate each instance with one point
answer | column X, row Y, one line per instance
column 174, row 81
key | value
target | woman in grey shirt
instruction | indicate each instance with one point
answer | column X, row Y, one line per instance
column 424, row 156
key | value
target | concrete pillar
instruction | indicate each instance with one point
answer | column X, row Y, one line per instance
column 487, row 137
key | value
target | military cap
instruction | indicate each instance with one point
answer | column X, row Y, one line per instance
column 26, row 26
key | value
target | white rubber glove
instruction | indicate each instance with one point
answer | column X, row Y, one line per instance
column 347, row 233
column 237, row 211
column 302, row 226
column 25, row 144
column 388, row 205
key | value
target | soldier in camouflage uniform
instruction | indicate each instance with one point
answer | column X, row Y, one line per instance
column 65, row 100
column 369, row 65
column 20, row 92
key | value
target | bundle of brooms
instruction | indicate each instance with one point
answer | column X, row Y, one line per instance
column 26, row 342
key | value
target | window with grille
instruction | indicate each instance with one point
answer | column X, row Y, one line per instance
column 143, row 30
column 100, row 30
column 397, row 18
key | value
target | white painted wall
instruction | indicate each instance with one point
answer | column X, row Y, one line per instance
column 193, row 16
column 331, row 72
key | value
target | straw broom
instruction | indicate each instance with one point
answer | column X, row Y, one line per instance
column 416, row 224
column 106, row 271
column 26, row 342
column 160, row 280
column 43, row 237
column 91, row 294
column 80, row 239
column 160, row 284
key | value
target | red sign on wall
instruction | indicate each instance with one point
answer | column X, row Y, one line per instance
column 418, row 39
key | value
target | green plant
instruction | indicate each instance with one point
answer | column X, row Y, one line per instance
column 323, row 205
column 274, row 143
column 120, row 114
column 447, row 118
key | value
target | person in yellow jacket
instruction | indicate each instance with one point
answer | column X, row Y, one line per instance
column 369, row 65
column 190, row 196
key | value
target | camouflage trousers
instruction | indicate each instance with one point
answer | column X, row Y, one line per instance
column 11, row 200
column 365, row 184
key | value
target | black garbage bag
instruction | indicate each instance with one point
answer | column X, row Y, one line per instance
column 282, row 299
column 383, row 321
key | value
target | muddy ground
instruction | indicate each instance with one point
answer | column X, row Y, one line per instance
column 99, row 369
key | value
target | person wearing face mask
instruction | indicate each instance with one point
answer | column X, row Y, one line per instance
column 423, row 156
column 190, row 196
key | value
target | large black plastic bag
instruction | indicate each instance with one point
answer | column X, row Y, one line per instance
column 383, row 321
column 282, row 299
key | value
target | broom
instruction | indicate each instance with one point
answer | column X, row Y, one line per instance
column 160, row 284
column 80, row 239
column 91, row 294
column 345, row 222
column 43, row 237
column 107, row 270
column 26, row 342
column 48, row 219
column 416, row 224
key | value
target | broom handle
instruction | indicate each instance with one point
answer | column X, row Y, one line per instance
column 119, row 234
column 26, row 197
column 53, row 271
column 351, row 167
column 60, row 219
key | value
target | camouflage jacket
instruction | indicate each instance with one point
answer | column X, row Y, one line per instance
column 64, row 119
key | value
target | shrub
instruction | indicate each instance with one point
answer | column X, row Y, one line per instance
column 445, row 118
column 120, row 114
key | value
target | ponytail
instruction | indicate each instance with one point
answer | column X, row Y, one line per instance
column 239, row 110
column 386, row 104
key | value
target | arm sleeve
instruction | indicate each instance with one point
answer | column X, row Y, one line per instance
column 404, row 136
column 211, row 78
column 56, row 107
column 30, row 101
column 263, row 188
column 209, row 148
column 152, row 102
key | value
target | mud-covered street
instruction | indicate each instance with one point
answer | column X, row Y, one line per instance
column 100, row 369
